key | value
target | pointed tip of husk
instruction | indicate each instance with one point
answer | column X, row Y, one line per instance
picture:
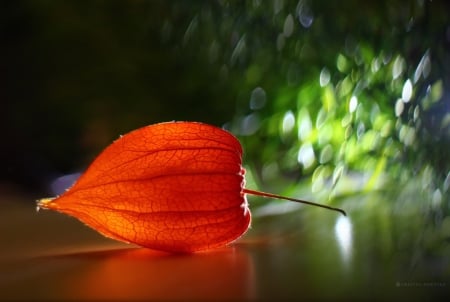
column 44, row 203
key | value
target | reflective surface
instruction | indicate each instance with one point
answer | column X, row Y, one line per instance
column 304, row 253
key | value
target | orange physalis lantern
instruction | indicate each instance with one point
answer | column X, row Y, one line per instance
column 175, row 186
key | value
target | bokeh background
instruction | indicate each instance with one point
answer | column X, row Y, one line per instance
column 343, row 102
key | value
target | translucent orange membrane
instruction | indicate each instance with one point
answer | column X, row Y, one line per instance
column 171, row 186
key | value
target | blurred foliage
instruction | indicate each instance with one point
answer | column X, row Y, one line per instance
column 356, row 99
column 337, row 99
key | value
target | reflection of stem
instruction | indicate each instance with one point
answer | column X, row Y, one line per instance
column 270, row 195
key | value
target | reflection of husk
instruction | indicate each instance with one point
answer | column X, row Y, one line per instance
column 145, row 274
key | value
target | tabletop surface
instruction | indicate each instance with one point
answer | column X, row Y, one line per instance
column 303, row 254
